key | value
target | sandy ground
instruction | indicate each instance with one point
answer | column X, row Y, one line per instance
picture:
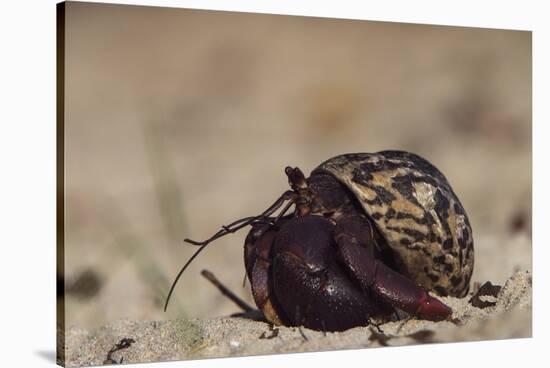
column 507, row 315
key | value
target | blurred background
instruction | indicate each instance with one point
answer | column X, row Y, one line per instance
column 179, row 121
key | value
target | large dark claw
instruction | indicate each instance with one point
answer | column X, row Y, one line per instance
column 354, row 240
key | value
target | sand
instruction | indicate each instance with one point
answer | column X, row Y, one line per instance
column 506, row 315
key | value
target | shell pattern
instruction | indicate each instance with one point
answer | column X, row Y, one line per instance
column 416, row 211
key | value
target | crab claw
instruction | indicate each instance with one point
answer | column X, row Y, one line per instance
column 432, row 309
column 355, row 248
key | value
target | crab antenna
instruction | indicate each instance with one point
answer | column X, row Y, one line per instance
column 283, row 211
column 231, row 228
column 181, row 273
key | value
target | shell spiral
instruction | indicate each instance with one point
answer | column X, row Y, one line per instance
column 416, row 211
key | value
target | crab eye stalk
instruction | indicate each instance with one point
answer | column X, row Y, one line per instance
column 300, row 186
column 296, row 178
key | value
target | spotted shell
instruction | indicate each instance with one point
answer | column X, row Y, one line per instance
column 416, row 211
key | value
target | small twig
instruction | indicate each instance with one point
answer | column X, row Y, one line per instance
column 274, row 333
column 380, row 338
column 225, row 291
column 122, row 344
column 302, row 333
column 376, row 325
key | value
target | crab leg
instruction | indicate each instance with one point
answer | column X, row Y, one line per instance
column 354, row 238
column 257, row 264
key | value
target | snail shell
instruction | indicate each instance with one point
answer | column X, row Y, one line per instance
column 417, row 213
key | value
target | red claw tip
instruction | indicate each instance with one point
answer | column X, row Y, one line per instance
column 434, row 310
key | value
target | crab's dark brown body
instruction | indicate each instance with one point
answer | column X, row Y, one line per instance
column 329, row 266
column 370, row 233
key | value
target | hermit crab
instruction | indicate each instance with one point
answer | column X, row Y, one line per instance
column 368, row 234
